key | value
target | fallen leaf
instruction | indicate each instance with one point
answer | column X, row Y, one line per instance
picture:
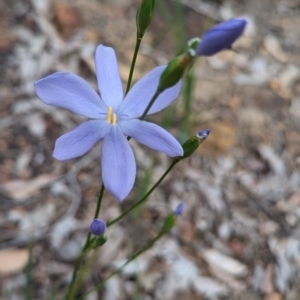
column 209, row 287
column 67, row 20
column 13, row 260
column 22, row 189
column 273, row 296
column 273, row 47
column 225, row 263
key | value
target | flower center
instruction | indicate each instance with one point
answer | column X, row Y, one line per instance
column 111, row 116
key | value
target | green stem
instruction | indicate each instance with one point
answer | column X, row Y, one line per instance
column 70, row 294
column 133, row 257
column 188, row 95
column 144, row 198
column 96, row 213
column 28, row 271
column 157, row 93
column 136, row 50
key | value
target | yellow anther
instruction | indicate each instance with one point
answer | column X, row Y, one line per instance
column 114, row 119
column 109, row 114
column 111, row 117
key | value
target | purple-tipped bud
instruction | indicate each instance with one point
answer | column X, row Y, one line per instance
column 203, row 134
column 179, row 209
column 98, row 227
column 221, row 37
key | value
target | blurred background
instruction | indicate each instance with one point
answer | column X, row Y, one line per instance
column 239, row 235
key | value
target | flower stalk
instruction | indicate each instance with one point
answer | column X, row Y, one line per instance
column 85, row 249
column 144, row 198
column 119, row 270
column 136, row 50
column 143, row 20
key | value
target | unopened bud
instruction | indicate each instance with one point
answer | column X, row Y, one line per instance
column 169, row 222
column 203, row 134
column 221, row 37
column 174, row 70
column 98, row 227
column 144, row 16
column 179, row 209
column 192, row 144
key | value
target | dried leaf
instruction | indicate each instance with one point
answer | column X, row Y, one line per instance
column 208, row 287
column 225, row 263
column 23, row 189
column 13, row 260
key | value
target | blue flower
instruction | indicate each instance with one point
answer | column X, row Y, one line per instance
column 220, row 37
column 179, row 209
column 98, row 227
column 111, row 118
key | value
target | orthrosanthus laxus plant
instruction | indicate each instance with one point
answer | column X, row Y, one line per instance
column 221, row 37
column 112, row 118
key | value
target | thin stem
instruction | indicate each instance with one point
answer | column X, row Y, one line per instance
column 133, row 257
column 157, row 93
column 28, row 272
column 188, row 96
column 84, row 271
column 136, row 50
column 144, row 198
column 96, row 213
column 85, row 249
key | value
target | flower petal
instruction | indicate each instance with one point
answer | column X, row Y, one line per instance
column 70, row 91
column 109, row 81
column 80, row 140
column 141, row 93
column 153, row 136
column 118, row 163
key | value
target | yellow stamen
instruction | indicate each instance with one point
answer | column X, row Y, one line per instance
column 114, row 119
column 111, row 117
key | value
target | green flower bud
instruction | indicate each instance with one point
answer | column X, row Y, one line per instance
column 144, row 16
column 192, row 144
column 174, row 71
column 169, row 222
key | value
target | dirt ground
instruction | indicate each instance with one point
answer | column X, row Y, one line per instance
column 239, row 235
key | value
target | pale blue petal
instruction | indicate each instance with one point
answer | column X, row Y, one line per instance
column 80, row 140
column 141, row 93
column 118, row 163
column 109, row 81
column 151, row 135
column 70, row 91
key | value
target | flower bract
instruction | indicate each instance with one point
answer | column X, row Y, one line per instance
column 111, row 118
column 221, row 37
